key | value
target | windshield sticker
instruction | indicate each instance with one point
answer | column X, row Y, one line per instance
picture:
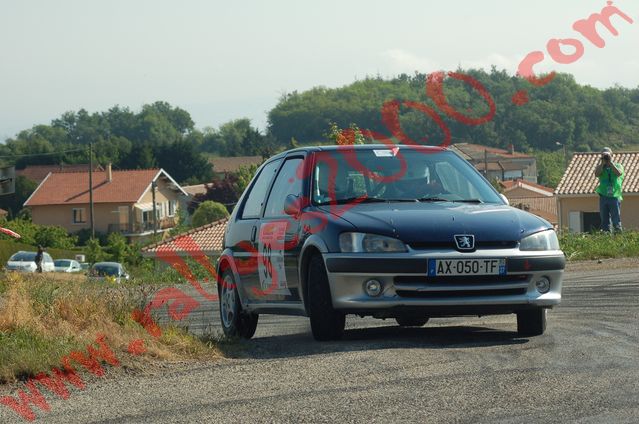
column 385, row 153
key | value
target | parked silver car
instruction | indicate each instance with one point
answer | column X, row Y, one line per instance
column 25, row 262
column 67, row 265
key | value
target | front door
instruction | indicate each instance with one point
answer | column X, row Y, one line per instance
column 243, row 240
column 278, row 244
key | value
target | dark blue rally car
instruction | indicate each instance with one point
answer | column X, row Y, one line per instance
column 386, row 231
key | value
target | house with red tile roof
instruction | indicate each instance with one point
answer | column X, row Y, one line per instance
column 207, row 239
column 123, row 201
column 578, row 204
column 500, row 164
column 532, row 197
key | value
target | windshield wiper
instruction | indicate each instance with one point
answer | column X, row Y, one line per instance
column 432, row 199
column 368, row 199
column 468, row 201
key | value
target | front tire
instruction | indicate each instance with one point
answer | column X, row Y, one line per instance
column 411, row 322
column 531, row 322
column 235, row 321
column 326, row 322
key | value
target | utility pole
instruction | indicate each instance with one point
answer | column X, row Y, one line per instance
column 91, row 189
column 155, row 212
column 486, row 163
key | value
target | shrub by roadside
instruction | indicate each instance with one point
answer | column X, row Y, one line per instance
column 43, row 319
column 582, row 246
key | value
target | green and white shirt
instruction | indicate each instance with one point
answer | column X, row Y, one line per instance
column 610, row 183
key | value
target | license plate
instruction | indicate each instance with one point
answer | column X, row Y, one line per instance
column 439, row 267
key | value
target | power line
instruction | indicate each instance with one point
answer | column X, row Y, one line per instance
column 43, row 154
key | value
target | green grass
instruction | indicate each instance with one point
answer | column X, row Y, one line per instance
column 43, row 318
column 24, row 352
column 599, row 245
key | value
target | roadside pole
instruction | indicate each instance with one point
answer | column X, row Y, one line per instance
column 91, row 189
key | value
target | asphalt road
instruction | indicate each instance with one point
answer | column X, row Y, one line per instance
column 585, row 368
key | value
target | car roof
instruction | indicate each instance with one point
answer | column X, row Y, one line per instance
column 335, row 147
column 108, row 263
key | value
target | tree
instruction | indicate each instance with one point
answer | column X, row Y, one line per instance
column 208, row 212
column 94, row 251
column 117, row 247
column 13, row 203
column 183, row 162
column 223, row 191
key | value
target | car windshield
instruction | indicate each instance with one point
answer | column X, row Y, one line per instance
column 397, row 175
column 62, row 263
column 106, row 270
column 23, row 257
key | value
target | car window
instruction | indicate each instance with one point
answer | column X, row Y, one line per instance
column 287, row 182
column 47, row 257
column 23, row 256
column 383, row 174
column 454, row 182
column 106, row 270
column 257, row 193
column 62, row 263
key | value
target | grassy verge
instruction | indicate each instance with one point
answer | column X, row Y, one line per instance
column 43, row 319
column 599, row 245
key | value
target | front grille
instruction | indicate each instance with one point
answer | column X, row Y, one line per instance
column 461, row 280
column 459, row 293
column 430, row 245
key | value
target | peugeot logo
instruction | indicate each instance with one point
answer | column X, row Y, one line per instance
column 465, row 241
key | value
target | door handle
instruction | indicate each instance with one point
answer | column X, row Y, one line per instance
column 253, row 233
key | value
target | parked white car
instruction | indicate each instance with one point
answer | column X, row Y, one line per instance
column 67, row 265
column 25, row 262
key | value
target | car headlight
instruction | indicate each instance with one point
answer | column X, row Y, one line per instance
column 544, row 240
column 370, row 243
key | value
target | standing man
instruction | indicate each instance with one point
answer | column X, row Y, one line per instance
column 38, row 259
column 610, row 176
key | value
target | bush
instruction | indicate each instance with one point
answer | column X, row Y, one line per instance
column 44, row 235
column 94, row 251
column 208, row 212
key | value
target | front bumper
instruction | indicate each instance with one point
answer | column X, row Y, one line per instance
column 407, row 288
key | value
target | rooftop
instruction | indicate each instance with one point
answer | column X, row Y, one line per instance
column 519, row 183
column 207, row 238
column 233, row 163
column 67, row 188
column 37, row 173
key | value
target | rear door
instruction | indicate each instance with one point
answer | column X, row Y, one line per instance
column 242, row 239
column 278, row 241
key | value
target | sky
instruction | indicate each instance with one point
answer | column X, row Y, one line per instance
column 223, row 60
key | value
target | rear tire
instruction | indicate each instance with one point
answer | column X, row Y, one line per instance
column 531, row 322
column 326, row 322
column 411, row 322
column 235, row 321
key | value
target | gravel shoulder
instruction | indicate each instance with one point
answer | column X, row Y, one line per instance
column 585, row 369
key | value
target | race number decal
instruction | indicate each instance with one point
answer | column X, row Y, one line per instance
column 270, row 262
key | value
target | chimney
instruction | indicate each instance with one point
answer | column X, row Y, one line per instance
column 511, row 147
column 109, row 173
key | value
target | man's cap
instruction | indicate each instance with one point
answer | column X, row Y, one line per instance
column 606, row 150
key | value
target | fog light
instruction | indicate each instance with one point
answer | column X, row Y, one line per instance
column 373, row 288
column 543, row 285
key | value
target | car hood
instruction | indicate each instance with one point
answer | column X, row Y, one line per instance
column 439, row 221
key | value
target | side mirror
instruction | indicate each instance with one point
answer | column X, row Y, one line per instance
column 504, row 198
column 292, row 205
